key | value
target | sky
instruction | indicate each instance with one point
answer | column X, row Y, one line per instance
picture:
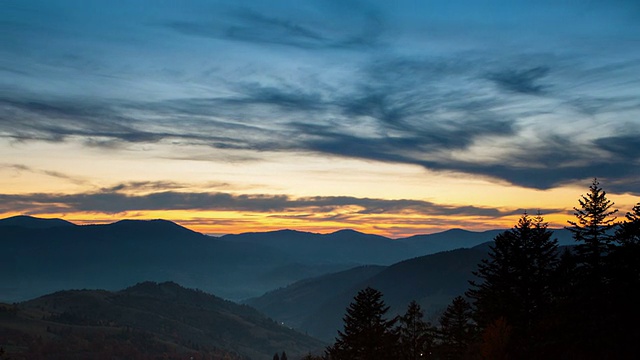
column 387, row 117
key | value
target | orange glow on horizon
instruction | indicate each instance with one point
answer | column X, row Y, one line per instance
column 228, row 222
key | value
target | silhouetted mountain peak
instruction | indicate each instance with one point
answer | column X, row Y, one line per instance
column 151, row 227
column 168, row 291
column 353, row 234
column 457, row 231
column 346, row 231
column 34, row 222
column 148, row 223
column 289, row 232
column 152, row 287
column 268, row 236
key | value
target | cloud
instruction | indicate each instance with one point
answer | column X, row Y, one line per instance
column 144, row 186
column 624, row 147
column 114, row 200
column 115, row 124
column 26, row 119
column 395, row 111
column 408, row 101
column 309, row 31
column 524, row 81
column 55, row 174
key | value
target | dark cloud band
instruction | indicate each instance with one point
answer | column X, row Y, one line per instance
column 117, row 202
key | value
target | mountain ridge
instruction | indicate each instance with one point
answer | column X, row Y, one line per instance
column 159, row 318
column 28, row 221
column 34, row 222
column 431, row 280
column 39, row 260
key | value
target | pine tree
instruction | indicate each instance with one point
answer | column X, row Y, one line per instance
column 415, row 336
column 311, row 357
column 495, row 341
column 558, row 325
column 628, row 232
column 283, row 356
column 592, row 303
column 457, row 330
column 516, row 280
column 367, row 335
column 624, row 272
column 276, row 356
column 592, row 228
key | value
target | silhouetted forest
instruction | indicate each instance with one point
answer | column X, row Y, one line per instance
column 531, row 300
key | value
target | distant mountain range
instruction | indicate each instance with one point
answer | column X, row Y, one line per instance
column 352, row 247
column 145, row 321
column 40, row 256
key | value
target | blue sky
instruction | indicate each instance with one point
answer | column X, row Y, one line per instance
column 532, row 95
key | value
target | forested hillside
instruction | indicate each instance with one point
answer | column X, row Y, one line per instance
column 146, row 321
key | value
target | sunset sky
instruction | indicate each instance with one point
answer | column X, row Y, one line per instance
column 388, row 117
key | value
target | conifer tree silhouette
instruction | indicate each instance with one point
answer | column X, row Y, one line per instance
column 516, row 280
column 367, row 335
column 415, row 336
column 624, row 287
column 457, row 330
column 590, row 309
column 628, row 232
column 592, row 230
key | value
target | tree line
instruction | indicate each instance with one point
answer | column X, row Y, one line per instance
column 531, row 299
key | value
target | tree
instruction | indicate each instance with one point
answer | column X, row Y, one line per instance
column 367, row 335
column 457, row 330
column 591, row 306
column 283, row 356
column 3, row 354
column 628, row 232
column 276, row 356
column 516, row 280
column 592, row 230
column 415, row 336
column 495, row 340
column 312, row 357
column 624, row 286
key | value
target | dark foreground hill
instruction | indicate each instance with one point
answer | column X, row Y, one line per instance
column 432, row 280
column 148, row 320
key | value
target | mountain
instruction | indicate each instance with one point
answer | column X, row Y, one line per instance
column 432, row 280
column 45, row 255
column 344, row 246
column 292, row 305
column 356, row 248
column 349, row 246
column 33, row 222
column 37, row 260
column 449, row 240
column 148, row 320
